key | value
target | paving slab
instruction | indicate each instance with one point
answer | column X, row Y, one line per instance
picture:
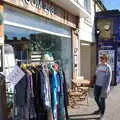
column 83, row 111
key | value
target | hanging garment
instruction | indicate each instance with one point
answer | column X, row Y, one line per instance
column 54, row 95
column 21, row 99
column 65, row 91
column 47, row 90
column 31, row 114
column 62, row 105
column 38, row 88
column 21, row 92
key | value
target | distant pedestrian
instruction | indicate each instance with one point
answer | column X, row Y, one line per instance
column 102, row 84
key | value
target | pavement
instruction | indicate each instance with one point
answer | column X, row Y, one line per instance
column 84, row 110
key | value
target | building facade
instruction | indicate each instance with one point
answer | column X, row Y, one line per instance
column 25, row 20
column 87, row 42
column 30, row 25
column 75, row 23
column 78, row 8
column 108, row 36
column 36, row 27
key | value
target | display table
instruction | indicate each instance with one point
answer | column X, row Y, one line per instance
column 79, row 91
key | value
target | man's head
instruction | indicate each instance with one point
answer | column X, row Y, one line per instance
column 103, row 58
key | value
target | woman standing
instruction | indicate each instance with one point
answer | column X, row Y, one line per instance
column 102, row 84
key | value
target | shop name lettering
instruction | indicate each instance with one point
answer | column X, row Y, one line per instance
column 40, row 4
column 106, row 47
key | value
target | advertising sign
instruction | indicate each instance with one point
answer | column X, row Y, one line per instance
column 111, row 57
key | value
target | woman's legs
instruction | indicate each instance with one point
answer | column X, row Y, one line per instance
column 97, row 93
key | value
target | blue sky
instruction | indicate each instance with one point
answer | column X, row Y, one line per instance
column 112, row 4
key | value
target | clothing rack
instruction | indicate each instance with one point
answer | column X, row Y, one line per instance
column 19, row 62
column 30, row 62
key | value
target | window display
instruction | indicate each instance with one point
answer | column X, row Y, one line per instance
column 25, row 42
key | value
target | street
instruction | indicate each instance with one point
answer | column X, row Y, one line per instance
column 84, row 111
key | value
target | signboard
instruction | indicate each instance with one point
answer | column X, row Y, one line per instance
column 46, row 9
column 109, row 45
column 49, row 9
column 15, row 76
column 105, row 26
column 111, row 57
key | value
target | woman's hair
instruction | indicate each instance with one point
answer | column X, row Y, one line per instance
column 104, row 56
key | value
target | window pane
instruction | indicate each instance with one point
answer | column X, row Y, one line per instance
column 26, row 41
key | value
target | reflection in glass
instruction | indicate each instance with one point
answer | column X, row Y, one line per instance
column 26, row 41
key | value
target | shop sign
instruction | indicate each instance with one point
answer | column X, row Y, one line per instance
column 48, row 9
column 106, row 45
column 111, row 56
column 41, row 5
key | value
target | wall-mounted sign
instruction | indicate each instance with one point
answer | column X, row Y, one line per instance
column 105, row 27
column 46, row 9
column 111, row 57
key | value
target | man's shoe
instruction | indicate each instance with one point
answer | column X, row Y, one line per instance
column 96, row 112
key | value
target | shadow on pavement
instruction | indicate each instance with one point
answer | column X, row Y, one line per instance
column 84, row 117
column 90, row 118
column 80, row 115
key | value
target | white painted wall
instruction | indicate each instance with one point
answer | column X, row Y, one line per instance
column 87, row 27
column 98, row 9
column 87, row 54
column 81, row 2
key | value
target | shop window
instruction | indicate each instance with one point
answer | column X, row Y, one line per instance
column 25, row 42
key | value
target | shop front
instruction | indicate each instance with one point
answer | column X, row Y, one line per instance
column 28, row 33
column 50, row 32
column 38, row 31
column 107, row 36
